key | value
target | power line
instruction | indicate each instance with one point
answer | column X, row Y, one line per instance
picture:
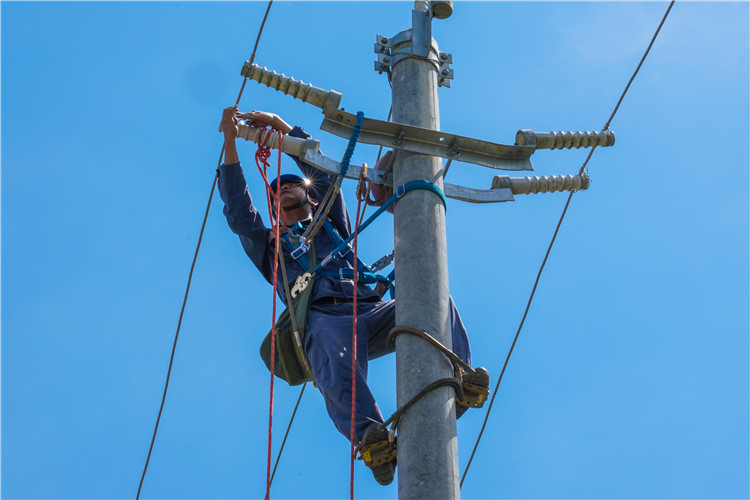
column 552, row 242
column 192, row 267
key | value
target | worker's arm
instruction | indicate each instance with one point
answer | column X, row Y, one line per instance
column 243, row 218
column 229, row 127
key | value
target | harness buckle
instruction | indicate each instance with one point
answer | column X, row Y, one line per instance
column 400, row 191
column 300, row 250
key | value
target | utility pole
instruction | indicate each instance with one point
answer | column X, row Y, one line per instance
column 427, row 445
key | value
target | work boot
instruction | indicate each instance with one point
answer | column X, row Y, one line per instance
column 476, row 386
column 379, row 453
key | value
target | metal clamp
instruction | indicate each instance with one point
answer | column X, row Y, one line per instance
column 430, row 142
column 382, row 262
column 388, row 55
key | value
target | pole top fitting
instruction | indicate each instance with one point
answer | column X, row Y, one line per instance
column 442, row 9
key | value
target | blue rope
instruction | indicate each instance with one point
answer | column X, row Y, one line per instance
column 350, row 147
column 344, row 168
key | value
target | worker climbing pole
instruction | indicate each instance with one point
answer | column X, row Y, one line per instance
column 434, row 382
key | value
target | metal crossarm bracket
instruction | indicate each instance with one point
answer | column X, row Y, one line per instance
column 425, row 141
column 309, row 151
column 503, row 186
column 429, row 142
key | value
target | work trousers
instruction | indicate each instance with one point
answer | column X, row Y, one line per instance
column 328, row 346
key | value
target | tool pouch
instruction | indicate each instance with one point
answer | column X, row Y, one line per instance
column 291, row 363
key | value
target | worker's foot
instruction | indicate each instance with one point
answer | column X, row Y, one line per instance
column 379, row 453
column 476, row 386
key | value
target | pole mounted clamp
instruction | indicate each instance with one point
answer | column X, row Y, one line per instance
column 391, row 51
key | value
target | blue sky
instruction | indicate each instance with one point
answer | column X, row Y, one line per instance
column 630, row 378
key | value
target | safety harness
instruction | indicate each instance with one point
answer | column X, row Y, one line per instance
column 299, row 252
column 299, row 248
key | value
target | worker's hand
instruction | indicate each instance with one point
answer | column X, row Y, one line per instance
column 262, row 119
column 229, row 123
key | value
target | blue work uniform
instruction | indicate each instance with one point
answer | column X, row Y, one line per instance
column 329, row 336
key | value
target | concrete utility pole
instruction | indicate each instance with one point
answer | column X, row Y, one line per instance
column 427, row 445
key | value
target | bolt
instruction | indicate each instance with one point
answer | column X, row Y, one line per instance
column 383, row 40
column 386, row 59
column 443, row 56
column 445, row 72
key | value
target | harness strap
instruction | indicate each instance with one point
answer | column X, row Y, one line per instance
column 346, row 252
column 400, row 191
column 299, row 249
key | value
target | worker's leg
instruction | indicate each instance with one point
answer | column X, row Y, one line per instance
column 381, row 319
column 328, row 346
column 458, row 334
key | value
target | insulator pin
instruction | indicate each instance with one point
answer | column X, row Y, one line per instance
column 294, row 146
column 564, row 140
column 545, row 184
column 289, row 86
column 258, row 135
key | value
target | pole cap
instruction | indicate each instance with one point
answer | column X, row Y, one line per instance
column 442, row 9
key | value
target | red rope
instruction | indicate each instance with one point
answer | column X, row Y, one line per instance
column 357, row 222
column 262, row 154
column 261, row 160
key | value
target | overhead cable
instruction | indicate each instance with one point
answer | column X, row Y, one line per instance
column 192, row 267
column 554, row 236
